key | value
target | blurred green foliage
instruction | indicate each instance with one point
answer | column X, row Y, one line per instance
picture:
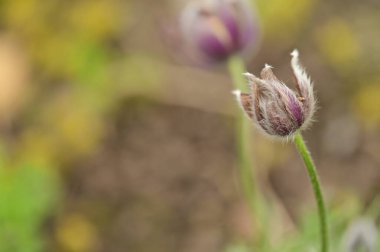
column 306, row 237
column 81, row 71
column 28, row 194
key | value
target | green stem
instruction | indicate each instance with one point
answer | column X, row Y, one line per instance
column 313, row 175
column 237, row 68
column 243, row 133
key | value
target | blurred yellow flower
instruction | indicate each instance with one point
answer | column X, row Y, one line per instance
column 338, row 44
column 75, row 233
column 65, row 129
column 37, row 148
column 366, row 104
column 96, row 19
column 283, row 19
column 27, row 16
column 52, row 53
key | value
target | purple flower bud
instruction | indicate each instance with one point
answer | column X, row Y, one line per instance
column 273, row 107
column 216, row 29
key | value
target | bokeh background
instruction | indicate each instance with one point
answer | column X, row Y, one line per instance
column 111, row 141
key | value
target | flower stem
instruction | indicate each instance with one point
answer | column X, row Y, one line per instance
column 243, row 134
column 314, row 179
column 245, row 163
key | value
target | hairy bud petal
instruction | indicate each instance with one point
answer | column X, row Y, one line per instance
column 304, row 85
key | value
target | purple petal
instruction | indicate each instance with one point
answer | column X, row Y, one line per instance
column 232, row 25
column 296, row 110
column 211, row 46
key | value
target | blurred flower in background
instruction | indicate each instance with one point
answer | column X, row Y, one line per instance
column 216, row 29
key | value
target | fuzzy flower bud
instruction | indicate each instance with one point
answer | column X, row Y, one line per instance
column 273, row 107
column 216, row 29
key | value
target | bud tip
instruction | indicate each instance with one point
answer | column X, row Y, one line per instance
column 268, row 66
column 294, row 53
column 236, row 92
column 248, row 75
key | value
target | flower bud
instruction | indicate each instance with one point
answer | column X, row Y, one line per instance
column 273, row 107
column 216, row 29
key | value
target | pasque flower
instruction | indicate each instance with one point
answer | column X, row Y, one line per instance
column 217, row 29
column 273, row 107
